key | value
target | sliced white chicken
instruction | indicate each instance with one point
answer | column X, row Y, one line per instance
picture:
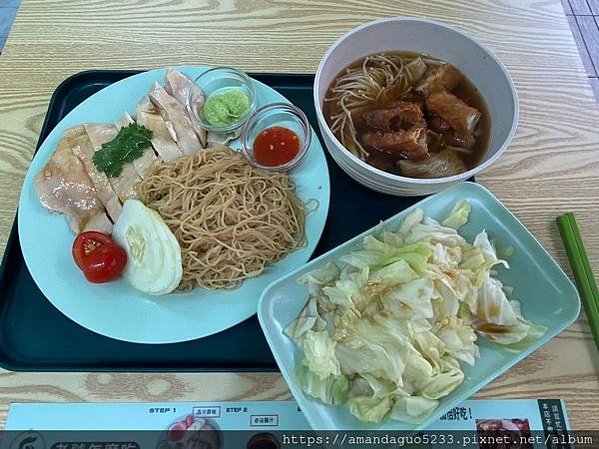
column 178, row 86
column 124, row 184
column 123, row 121
column 186, row 137
column 64, row 187
column 144, row 163
column 99, row 222
column 162, row 141
column 222, row 139
column 84, row 150
column 169, row 125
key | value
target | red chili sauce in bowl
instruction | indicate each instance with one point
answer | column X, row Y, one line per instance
column 276, row 146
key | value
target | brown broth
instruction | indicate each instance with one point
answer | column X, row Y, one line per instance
column 466, row 91
column 469, row 94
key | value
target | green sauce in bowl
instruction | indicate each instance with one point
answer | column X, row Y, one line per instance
column 226, row 106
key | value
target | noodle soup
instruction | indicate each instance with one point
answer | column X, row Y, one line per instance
column 408, row 114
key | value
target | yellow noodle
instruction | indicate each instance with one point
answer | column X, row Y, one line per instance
column 230, row 218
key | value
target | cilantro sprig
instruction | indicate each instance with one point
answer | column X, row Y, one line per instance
column 128, row 145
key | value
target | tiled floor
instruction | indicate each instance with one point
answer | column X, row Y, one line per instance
column 8, row 11
column 583, row 16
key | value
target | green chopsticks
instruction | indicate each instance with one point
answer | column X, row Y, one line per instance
column 581, row 267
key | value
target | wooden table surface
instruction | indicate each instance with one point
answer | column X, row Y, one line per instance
column 551, row 167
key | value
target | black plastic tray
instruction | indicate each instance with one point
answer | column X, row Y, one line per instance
column 35, row 336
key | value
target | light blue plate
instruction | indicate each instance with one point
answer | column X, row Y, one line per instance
column 116, row 309
column 548, row 297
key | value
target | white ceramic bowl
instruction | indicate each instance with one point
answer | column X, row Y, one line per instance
column 438, row 40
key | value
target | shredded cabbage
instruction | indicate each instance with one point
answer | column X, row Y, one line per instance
column 386, row 330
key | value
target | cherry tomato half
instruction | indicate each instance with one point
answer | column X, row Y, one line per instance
column 100, row 259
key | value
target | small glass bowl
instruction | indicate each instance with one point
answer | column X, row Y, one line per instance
column 214, row 80
column 277, row 114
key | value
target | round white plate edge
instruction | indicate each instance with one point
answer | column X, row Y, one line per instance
column 315, row 221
